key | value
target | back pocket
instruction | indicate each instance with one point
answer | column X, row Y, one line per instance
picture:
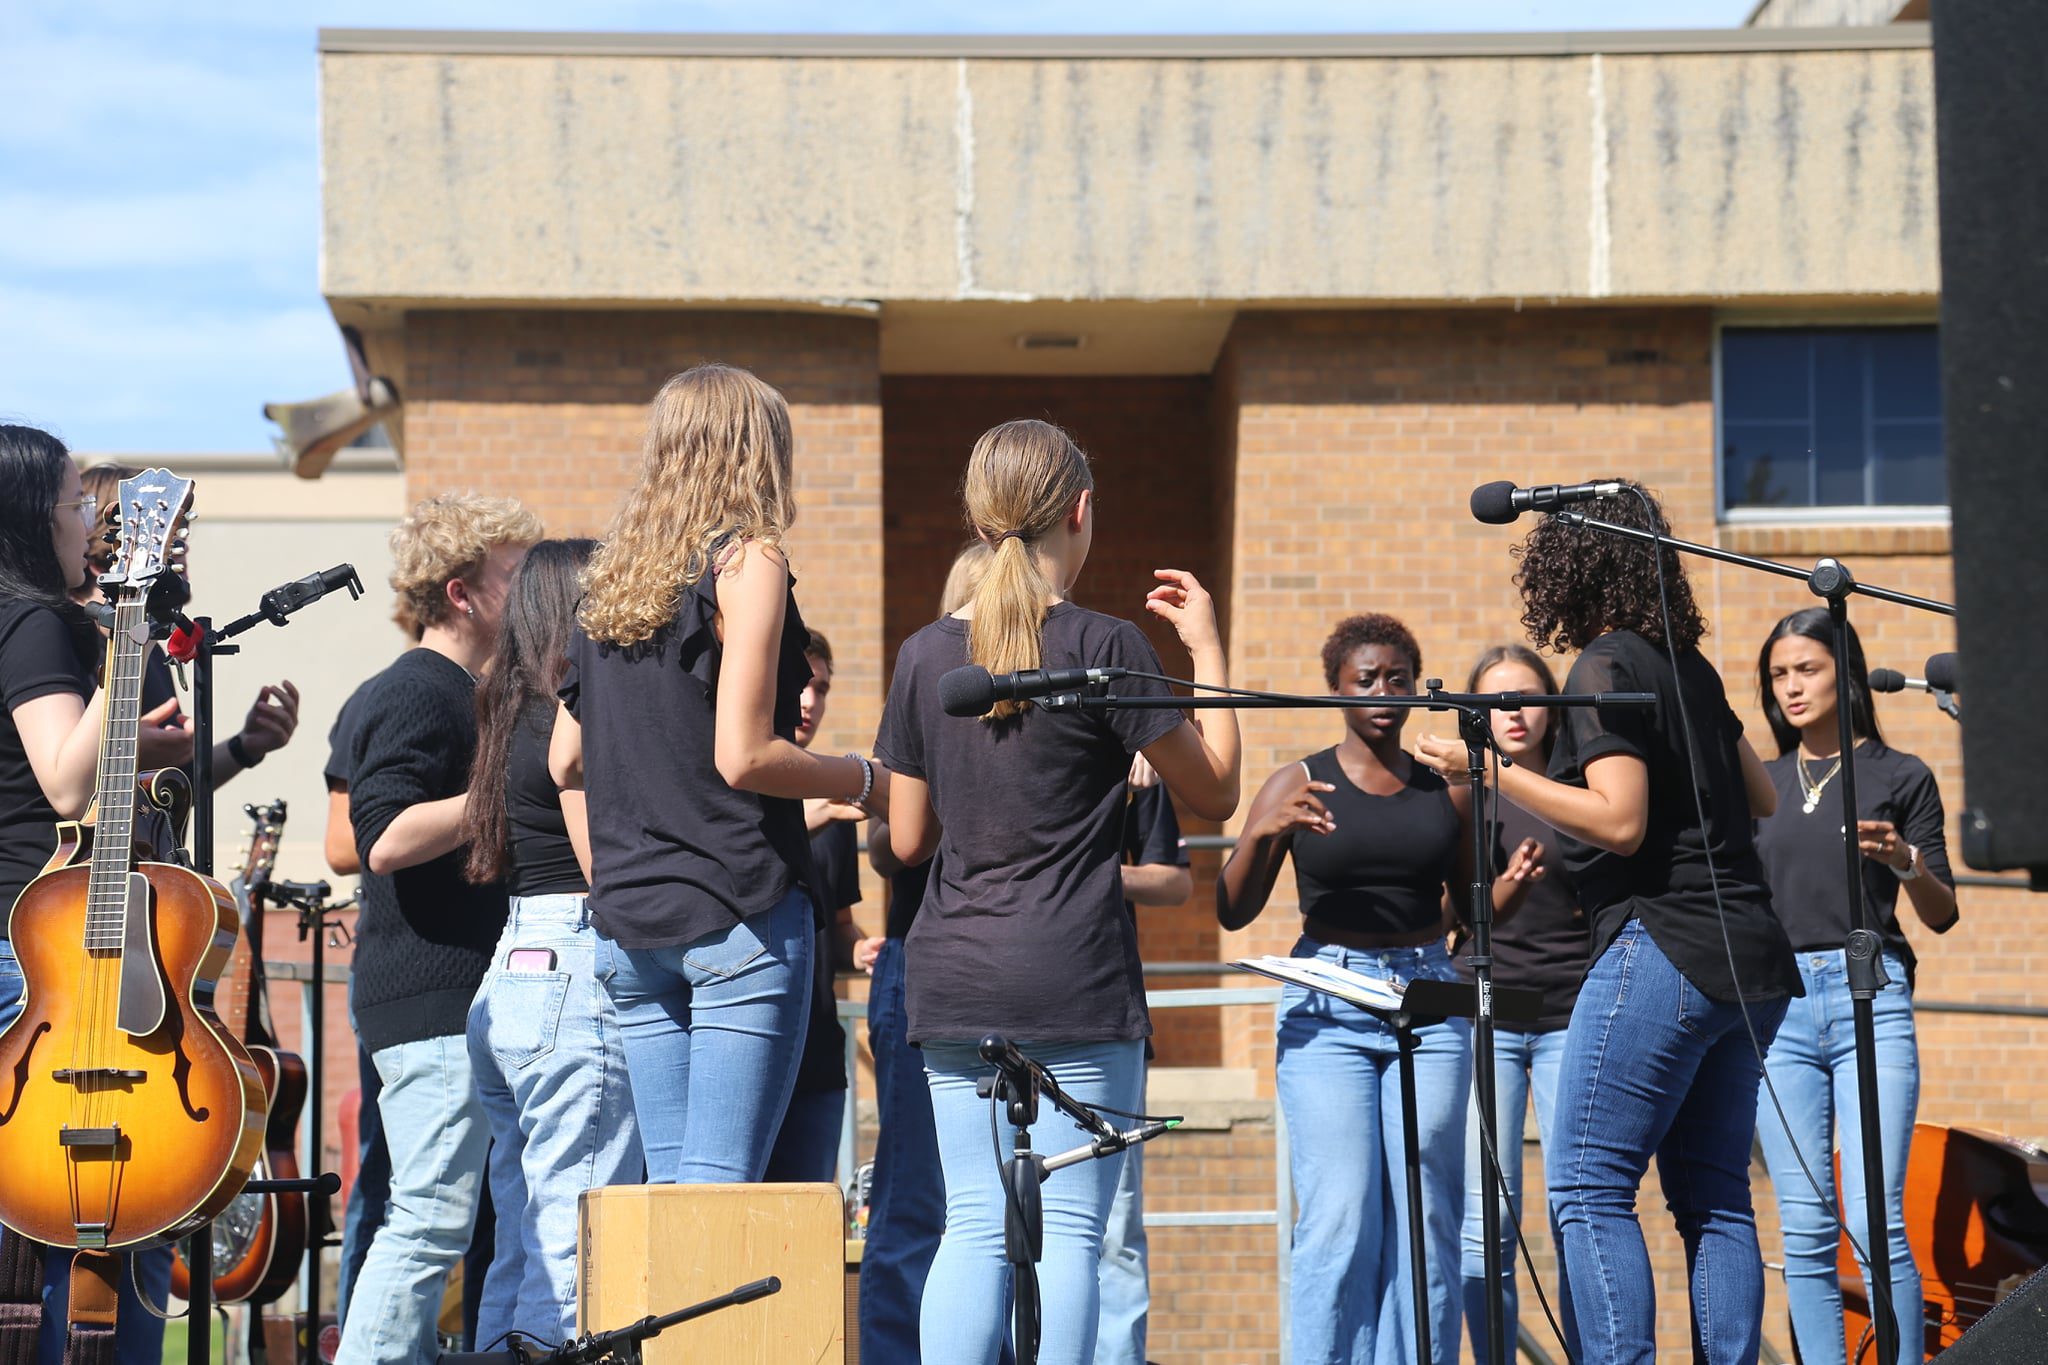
column 525, row 1015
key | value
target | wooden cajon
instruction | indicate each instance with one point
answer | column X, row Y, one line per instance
column 652, row 1249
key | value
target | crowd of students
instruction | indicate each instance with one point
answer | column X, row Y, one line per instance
column 607, row 878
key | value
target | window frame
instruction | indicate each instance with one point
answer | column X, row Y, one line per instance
column 1843, row 514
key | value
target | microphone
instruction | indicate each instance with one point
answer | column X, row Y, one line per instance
column 279, row 603
column 1000, row 1053
column 1891, row 680
column 1943, row 672
column 972, row 690
column 1111, row 1144
column 1500, row 502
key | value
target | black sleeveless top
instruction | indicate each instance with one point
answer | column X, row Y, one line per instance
column 1384, row 868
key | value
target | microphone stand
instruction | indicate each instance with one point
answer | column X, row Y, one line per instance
column 1019, row 1082
column 196, row 640
column 1831, row 580
column 1475, row 728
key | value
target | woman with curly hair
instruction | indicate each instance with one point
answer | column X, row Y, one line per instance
column 1380, row 843
column 678, row 716
column 1691, row 969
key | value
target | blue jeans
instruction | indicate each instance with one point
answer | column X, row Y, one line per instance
column 1812, row 1065
column 438, row 1136
column 1352, row 1298
column 907, row 1201
column 713, row 1031
column 551, row 1072
column 965, row 1298
column 369, row 1197
column 1652, row 1067
column 138, row 1333
column 1125, row 1285
column 807, row 1145
column 1524, row 1064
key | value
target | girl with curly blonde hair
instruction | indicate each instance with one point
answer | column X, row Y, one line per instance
column 685, row 680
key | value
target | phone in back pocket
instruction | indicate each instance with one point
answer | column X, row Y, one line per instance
column 530, row 960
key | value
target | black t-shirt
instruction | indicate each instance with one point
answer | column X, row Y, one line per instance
column 906, row 894
column 1023, row 930
column 543, row 861
column 835, row 853
column 1666, row 882
column 1384, row 868
column 675, row 853
column 1802, row 851
column 1544, row 946
column 39, row 657
column 1152, row 832
column 426, row 934
column 341, row 737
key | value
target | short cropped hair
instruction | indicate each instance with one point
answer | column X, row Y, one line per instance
column 1353, row 633
column 820, row 649
column 448, row 537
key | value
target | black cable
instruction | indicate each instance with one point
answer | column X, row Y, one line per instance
column 1028, row 1271
column 1880, row 1294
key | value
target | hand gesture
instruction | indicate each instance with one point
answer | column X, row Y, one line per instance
column 1143, row 774
column 1184, row 603
column 865, row 951
column 1444, row 757
column 273, row 718
column 822, row 811
column 163, row 738
column 1525, row 865
column 1300, row 808
column 1881, row 842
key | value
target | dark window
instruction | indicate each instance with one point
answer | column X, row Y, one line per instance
column 1831, row 417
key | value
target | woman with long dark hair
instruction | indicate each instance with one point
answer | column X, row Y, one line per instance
column 1023, row 930
column 1542, row 946
column 678, row 719
column 1691, row 970
column 543, row 1037
column 50, row 710
column 1812, row 1061
column 1379, row 845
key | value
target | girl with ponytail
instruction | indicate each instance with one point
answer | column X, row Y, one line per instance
column 1023, row 930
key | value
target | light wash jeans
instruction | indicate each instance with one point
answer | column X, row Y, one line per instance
column 713, row 1030
column 551, row 1071
column 138, row 1333
column 966, row 1296
column 1524, row 1067
column 435, row 1127
column 1123, row 1278
column 907, row 1202
column 1652, row 1067
column 1352, row 1299
column 1812, row 1065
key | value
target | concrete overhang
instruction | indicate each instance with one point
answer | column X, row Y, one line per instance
column 1173, row 177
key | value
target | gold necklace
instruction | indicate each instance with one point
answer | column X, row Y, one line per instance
column 1814, row 789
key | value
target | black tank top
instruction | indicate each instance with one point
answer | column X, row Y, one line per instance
column 1383, row 870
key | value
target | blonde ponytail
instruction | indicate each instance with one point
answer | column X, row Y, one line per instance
column 1022, row 480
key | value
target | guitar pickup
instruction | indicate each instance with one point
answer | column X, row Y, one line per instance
column 79, row 1076
column 68, row 1136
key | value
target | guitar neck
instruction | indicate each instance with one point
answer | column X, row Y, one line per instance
column 113, row 853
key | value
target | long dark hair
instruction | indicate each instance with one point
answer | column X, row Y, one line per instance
column 1813, row 624
column 31, row 474
column 533, row 646
column 1535, row 663
column 1577, row 584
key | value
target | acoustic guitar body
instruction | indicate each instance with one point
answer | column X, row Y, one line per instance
column 114, row 1136
column 258, row 1239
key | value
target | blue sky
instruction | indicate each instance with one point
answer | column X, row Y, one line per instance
column 159, row 173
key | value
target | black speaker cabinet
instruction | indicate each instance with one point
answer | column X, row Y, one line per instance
column 2014, row 1332
column 1991, row 110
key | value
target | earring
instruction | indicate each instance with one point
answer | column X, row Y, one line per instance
column 470, row 612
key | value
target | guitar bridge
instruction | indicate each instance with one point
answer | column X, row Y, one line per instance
column 110, row 1136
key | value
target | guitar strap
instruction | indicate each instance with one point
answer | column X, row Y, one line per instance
column 21, row 1298
column 95, row 1299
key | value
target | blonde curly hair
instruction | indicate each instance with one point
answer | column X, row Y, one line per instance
column 447, row 537
column 716, row 465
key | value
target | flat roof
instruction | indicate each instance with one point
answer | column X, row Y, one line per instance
column 1035, row 47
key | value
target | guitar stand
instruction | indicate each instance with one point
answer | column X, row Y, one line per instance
column 199, row 1260
column 310, row 899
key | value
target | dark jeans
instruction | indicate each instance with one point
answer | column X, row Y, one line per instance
column 1653, row 1067
column 907, row 1202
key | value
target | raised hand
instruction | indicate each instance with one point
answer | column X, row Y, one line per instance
column 1525, row 864
column 273, row 718
column 1300, row 808
column 163, row 738
column 1444, row 757
column 1182, row 602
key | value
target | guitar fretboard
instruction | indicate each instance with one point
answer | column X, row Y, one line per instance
column 106, row 909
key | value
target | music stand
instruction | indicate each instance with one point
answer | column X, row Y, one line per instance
column 1424, row 1001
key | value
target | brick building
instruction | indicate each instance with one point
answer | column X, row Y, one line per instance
column 1295, row 296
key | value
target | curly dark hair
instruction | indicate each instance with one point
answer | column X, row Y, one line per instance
column 1353, row 633
column 1578, row 584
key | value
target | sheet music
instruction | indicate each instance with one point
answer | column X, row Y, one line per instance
column 1317, row 975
